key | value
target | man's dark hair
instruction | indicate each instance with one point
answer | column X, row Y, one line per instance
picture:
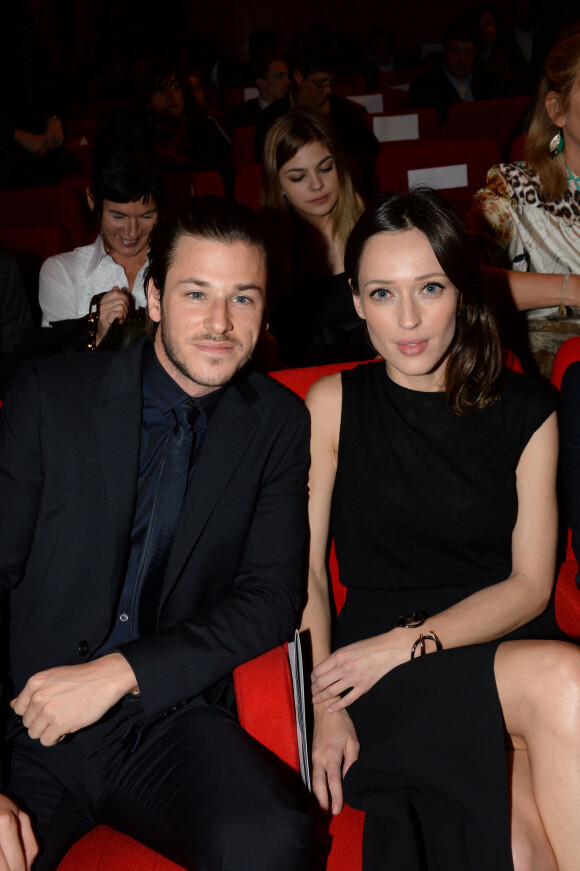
column 315, row 53
column 209, row 217
column 461, row 30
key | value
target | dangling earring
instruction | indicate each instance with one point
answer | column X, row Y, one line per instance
column 557, row 144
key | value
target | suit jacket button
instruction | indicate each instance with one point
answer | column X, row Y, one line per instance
column 83, row 648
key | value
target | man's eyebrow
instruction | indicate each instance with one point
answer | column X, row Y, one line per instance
column 199, row 283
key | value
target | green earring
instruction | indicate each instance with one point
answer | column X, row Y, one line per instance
column 557, row 144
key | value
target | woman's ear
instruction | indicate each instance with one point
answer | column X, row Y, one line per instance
column 357, row 301
column 554, row 109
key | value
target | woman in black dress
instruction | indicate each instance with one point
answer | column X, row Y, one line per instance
column 438, row 470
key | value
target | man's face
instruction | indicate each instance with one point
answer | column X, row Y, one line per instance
column 314, row 89
column 276, row 82
column 459, row 57
column 211, row 314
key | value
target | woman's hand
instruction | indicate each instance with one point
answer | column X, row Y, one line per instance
column 114, row 305
column 358, row 667
column 334, row 748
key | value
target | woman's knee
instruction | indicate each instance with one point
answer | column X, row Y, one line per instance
column 539, row 685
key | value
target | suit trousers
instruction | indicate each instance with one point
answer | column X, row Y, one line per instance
column 195, row 787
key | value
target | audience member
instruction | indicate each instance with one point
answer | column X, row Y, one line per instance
column 309, row 193
column 456, row 80
column 272, row 81
column 188, row 139
column 527, row 217
column 152, row 532
column 31, row 131
column 125, row 194
column 313, row 65
column 381, row 56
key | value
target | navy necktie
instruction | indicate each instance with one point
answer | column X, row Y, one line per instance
column 165, row 512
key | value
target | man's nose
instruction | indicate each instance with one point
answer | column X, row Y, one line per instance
column 218, row 319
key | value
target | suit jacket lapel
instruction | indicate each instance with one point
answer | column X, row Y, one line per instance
column 230, row 431
column 117, row 424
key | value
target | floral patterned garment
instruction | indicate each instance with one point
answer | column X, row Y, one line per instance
column 513, row 228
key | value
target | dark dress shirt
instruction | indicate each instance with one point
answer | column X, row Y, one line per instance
column 161, row 394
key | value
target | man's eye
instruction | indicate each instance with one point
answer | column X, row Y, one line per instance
column 242, row 300
column 195, row 294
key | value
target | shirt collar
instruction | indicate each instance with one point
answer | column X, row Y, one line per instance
column 97, row 254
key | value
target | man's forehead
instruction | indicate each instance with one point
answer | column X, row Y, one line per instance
column 237, row 262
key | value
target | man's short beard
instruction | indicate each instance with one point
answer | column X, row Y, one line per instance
column 173, row 356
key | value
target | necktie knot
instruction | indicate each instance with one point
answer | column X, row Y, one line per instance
column 185, row 415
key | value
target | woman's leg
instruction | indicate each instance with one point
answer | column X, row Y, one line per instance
column 531, row 849
column 539, row 690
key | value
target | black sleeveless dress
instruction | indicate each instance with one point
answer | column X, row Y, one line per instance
column 424, row 506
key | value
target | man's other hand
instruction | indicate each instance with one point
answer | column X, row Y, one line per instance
column 62, row 700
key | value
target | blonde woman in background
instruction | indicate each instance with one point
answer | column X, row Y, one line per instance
column 308, row 191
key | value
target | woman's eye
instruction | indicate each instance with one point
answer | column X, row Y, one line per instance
column 432, row 288
column 380, row 294
column 296, row 178
column 327, row 168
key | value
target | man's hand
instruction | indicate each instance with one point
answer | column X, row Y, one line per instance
column 113, row 305
column 18, row 847
column 62, row 700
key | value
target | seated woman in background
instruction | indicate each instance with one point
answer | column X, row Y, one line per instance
column 438, row 469
column 527, row 217
column 125, row 195
column 308, row 190
column 188, row 138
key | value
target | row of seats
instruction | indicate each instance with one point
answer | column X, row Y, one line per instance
column 265, row 703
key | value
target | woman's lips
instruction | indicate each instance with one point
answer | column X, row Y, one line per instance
column 412, row 349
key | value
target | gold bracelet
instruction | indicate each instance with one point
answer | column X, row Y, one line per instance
column 420, row 644
column 561, row 307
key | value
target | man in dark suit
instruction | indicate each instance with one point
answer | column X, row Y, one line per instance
column 130, row 602
column 456, row 80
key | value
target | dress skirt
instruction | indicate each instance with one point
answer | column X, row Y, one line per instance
column 432, row 773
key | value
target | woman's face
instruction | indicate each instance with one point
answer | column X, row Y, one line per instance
column 125, row 228
column 410, row 307
column 167, row 101
column 568, row 120
column 310, row 182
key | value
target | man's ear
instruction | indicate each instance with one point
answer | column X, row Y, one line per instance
column 153, row 301
column 297, row 76
column 554, row 109
column 90, row 198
